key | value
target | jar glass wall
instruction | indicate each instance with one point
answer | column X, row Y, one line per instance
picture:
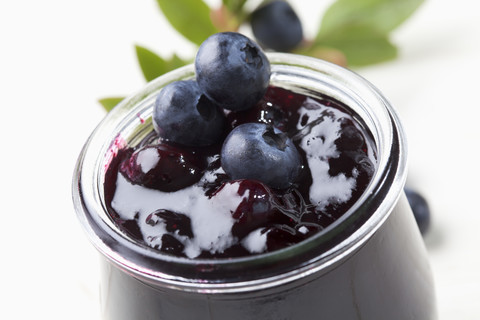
column 369, row 264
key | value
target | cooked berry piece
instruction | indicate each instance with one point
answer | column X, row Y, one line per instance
column 342, row 164
column 232, row 70
column 174, row 222
column 132, row 228
column 275, row 25
column 260, row 152
column 420, row 209
column 258, row 207
column 184, row 115
column 351, row 139
column 262, row 112
column 285, row 99
column 352, row 163
column 365, row 169
column 163, row 167
column 171, row 245
column 296, row 209
column 279, row 237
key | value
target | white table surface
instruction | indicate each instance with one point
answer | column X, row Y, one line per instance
column 58, row 57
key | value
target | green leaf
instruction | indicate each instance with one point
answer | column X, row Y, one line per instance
column 234, row 6
column 191, row 18
column 382, row 16
column 360, row 44
column 175, row 62
column 109, row 103
column 153, row 65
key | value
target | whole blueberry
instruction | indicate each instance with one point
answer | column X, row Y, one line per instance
column 260, row 152
column 232, row 70
column 275, row 25
column 420, row 209
column 184, row 115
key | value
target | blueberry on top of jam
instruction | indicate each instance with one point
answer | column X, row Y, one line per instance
column 183, row 114
column 232, row 70
column 261, row 152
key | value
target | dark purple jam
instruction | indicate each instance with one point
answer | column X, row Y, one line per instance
column 179, row 200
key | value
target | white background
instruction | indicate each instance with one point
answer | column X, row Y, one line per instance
column 58, row 57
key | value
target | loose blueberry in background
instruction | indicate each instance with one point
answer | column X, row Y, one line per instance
column 260, row 152
column 232, row 70
column 275, row 25
column 420, row 209
column 183, row 114
column 163, row 167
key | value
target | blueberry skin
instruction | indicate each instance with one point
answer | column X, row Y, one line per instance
column 420, row 209
column 260, row 152
column 275, row 25
column 232, row 70
column 182, row 114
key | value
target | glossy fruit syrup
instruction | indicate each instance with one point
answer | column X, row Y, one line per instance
column 180, row 201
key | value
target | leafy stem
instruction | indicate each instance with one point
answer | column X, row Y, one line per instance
column 352, row 32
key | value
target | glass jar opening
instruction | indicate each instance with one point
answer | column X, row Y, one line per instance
column 316, row 254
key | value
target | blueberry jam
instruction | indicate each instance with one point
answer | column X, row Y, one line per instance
column 180, row 201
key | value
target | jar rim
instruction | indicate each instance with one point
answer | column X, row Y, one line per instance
column 322, row 251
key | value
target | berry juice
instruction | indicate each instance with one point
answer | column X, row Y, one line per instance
column 339, row 243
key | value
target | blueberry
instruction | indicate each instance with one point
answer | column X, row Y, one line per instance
column 260, row 152
column 420, row 209
column 184, row 115
column 275, row 25
column 232, row 70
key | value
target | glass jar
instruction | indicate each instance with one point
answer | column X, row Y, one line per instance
column 369, row 264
